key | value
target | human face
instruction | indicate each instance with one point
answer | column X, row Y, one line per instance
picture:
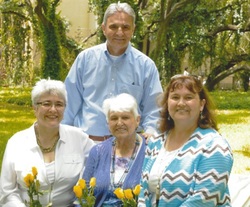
column 123, row 124
column 185, row 106
column 118, row 31
column 49, row 110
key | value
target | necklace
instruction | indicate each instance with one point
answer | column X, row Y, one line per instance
column 48, row 149
column 113, row 156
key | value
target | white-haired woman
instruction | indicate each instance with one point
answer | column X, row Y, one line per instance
column 57, row 151
column 117, row 162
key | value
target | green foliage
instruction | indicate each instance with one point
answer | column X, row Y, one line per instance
column 231, row 100
column 205, row 35
column 210, row 37
column 16, row 52
column 50, row 39
column 35, row 42
column 18, row 96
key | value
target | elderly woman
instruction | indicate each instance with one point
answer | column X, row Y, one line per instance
column 190, row 162
column 117, row 162
column 57, row 151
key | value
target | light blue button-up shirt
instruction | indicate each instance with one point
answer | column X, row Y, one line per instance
column 95, row 76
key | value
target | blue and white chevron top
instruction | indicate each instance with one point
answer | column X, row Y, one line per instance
column 197, row 176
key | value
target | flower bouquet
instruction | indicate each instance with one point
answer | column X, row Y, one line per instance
column 33, row 185
column 128, row 197
column 84, row 194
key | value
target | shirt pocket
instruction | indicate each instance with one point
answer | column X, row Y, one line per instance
column 73, row 165
column 133, row 90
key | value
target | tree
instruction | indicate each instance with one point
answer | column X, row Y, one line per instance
column 42, row 28
column 14, row 40
column 212, row 37
column 49, row 35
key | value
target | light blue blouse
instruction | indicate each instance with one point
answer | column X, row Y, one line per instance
column 197, row 176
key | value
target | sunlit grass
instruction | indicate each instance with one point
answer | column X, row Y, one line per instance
column 235, row 127
column 13, row 118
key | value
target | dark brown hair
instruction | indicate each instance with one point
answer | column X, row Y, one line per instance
column 193, row 84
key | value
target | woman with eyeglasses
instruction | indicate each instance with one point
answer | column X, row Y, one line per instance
column 57, row 151
column 190, row 162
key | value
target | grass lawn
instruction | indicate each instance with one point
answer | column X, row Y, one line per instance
column 234, row 126
column 233, row 112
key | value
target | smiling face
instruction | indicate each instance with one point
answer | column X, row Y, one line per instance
column 118, row 31
column 185, row 106
column 123, row 124
column 49, row 110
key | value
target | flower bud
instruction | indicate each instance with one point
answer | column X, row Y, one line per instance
column 119, row 193
column 34, row 171
column 137, row 190
column 92, row 182
column 78, row 191
column 82, row 183
column 128, row 194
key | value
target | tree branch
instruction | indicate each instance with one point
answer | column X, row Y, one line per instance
column 17, row 14
column 88, row 37
column 229, row 27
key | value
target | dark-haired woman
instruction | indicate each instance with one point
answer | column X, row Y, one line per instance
column 190, row 162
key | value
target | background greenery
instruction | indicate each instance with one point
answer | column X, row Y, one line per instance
column 211, row 38
column 16, row 114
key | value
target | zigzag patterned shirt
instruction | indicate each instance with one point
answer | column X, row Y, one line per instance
column 196, row 177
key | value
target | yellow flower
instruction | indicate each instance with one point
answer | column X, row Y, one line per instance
column 34, row 171
column 137, row 190
column 84, row 193
column 78, row 191
column 119, row 193
column 33, row 191
column 92, row 182
column 128, row 194
column 82, row 183
column 28, row 179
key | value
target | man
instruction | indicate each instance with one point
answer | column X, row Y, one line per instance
column 109, row 69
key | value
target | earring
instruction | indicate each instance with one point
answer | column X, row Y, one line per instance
column 169, row 118
column 201, row 116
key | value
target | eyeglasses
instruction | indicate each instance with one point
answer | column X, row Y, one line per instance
column 48, row 105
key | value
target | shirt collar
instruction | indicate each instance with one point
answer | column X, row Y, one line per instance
column 33, row 143
column 125, row 53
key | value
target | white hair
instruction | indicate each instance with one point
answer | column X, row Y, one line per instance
column 121, row 103
column 118, row 7
column 44, row 86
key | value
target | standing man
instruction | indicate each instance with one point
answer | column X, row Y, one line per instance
column 108, row 69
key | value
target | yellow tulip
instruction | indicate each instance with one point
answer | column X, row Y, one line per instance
column 119, row 193
column 28, row 179
column 34, row 171
column 137, row 190
column 78, row 191
column 31, row 177
column 92, row 182
column 82, row 183
column 128, row 194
